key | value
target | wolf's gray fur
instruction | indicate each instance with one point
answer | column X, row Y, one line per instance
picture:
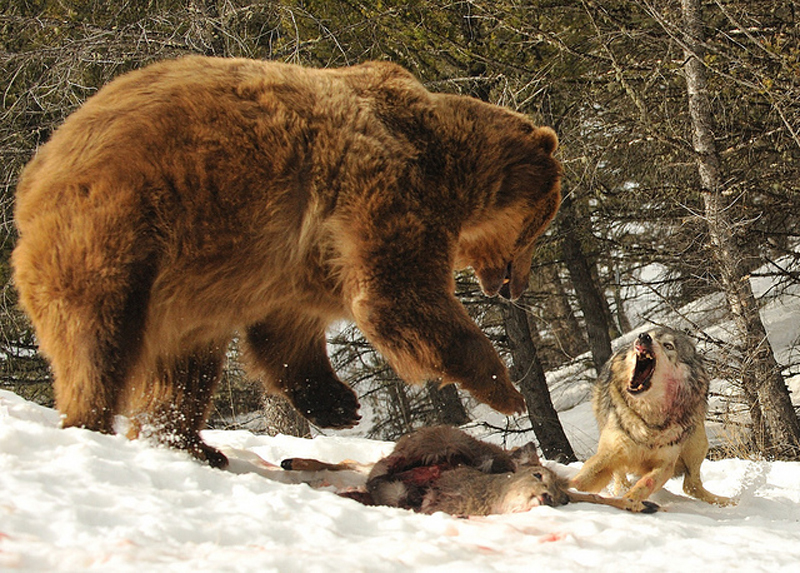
column 650, row 401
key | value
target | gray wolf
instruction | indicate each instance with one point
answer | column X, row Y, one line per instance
column 650, row 401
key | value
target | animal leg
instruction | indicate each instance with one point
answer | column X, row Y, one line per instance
column 87, row 301
column 289, row 354
column 439, row 341
column 402, row 298
column 89, row 377
column 594, row 475
column 619, row 503
column 692, row 457
column 173, row 407
column 650, row 482
column 621, row 483
column 313, row 465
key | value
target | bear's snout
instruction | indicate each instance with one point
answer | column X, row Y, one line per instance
column 495, row 280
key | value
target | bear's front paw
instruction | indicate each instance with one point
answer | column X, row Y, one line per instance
column 327, row 404
column 506, row 399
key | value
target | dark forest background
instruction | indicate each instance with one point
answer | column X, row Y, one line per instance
column 617, row 80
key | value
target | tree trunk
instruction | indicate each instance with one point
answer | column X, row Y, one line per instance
column 401, row 416
column 589, row 297
column 564, row 325
column 281, row 418
column 623, row 323
column 447, row 406
column 761, row 374
column 529, row 372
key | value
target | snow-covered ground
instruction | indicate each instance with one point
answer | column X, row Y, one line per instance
column 74, row 500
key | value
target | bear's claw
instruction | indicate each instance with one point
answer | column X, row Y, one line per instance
column 327, row 404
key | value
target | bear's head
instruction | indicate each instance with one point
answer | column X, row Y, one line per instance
column 499, row 242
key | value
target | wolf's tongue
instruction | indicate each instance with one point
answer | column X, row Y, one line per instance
column 642, row 373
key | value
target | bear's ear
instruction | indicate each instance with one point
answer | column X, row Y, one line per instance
column 547, row 139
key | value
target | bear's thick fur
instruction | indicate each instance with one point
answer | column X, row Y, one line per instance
column 199, row 197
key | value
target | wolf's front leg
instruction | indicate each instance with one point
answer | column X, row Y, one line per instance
column 595, row 473
column 650, row 482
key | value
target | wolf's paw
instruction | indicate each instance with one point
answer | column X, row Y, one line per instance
column 697, row 491
column 721, row 501
column 643, row 506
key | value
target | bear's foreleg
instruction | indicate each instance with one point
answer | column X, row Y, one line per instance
column 401, row 293
column 438, row 340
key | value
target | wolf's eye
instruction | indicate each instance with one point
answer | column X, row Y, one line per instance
column 669, row 346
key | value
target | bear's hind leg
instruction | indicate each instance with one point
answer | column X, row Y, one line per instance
column 174, row 406
column 88, row 380
column 89, row 325
column 289, row 354
column 84, row 271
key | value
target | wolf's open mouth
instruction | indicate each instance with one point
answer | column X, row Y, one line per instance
column 643, row 372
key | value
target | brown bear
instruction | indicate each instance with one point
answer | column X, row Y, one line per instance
column 199, row 197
